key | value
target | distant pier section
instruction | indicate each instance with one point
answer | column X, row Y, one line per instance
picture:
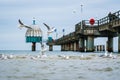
column 82, row 39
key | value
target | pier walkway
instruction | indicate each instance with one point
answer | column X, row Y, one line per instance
column 108, row 26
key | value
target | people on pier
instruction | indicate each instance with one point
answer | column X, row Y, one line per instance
column 112, row 16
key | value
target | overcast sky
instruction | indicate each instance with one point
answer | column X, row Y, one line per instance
column 61, row 14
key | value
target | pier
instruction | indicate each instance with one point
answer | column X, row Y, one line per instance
column 82, row 39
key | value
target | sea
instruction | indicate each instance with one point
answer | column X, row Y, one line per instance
column 54, row 68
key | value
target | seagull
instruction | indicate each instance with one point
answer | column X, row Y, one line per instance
column 38, row 56
column 81, row 56
column 110, row 55
column 50, row 30
column 44, row 56
column 106, row 54
column 67, row 57
column 64, row 57
column 3, row 57
column 34, row 58
column 10, row 56
column 43, row 49
column 22, row 25
column 114, row 57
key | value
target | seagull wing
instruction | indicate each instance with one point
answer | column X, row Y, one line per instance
column 23, row 24
column 47, row 26
column 53, row 29
column 20, row 22
column 27, row 27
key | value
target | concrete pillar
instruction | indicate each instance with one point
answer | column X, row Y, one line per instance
column 103, row 47
column 97, row 47
column 62, row 47
column 77, row 45
column 70, row 46
column 81, row 44
column 119, row 42
column 66, row 47
column 33, row 46
column 90, row 44
column 110, row 44
column 100, row 47
column 74, row 46
column 50, row 47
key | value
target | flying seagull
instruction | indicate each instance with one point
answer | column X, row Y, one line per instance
column 50, row 30
column 22, row 25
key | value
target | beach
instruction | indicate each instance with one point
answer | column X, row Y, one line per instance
column 59, row 66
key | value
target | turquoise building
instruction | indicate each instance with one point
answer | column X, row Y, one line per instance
column 33, row 35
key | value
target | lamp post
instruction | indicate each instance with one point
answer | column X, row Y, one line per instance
column 81, row 8
column 63, row 32
column 56, row 33
column 81, row 15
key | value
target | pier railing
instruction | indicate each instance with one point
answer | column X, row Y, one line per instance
column 86, row 23
column 84, row 28
column 110, row 21
column 67, row 38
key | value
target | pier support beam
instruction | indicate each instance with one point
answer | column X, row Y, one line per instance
column 77, row 45
column 90, row 44
column 33, row 46
column 62, row 47
column 50, row 47
column 119, row 42
column 81, row 44
column 100, row 48
column 66, row 46
column 71, row 46
column 74, row 46
column 110, row 44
